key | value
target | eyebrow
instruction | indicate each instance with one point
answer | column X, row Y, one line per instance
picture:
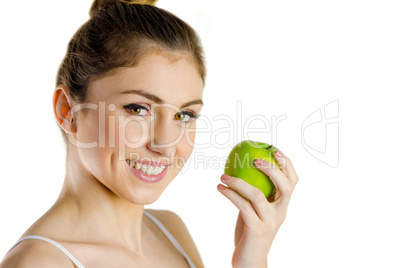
column 158, row 100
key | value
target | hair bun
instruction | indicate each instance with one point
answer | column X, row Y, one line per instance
column 99, row 4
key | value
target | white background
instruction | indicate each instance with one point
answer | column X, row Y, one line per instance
column 281, row 58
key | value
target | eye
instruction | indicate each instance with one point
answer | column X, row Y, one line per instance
column 186, row 116
column 136, row 109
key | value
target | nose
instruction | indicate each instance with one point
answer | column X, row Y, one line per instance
column 163, row 137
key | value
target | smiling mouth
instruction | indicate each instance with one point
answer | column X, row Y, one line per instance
column 148, row 169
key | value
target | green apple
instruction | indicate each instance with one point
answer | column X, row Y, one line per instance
column 240, row 164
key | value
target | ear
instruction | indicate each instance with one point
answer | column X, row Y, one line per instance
column 62, row 105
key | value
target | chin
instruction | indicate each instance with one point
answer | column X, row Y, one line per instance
column 144, row 196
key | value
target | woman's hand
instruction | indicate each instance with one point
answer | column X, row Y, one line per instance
column 259, row 219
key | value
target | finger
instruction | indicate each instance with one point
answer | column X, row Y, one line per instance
column 245, row 208
column 287, row 166
column 278, row 178
column 281, row 162
column 253, row 194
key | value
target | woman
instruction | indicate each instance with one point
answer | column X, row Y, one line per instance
column 128, row 94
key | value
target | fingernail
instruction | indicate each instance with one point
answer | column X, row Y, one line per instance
column 259, row 162
column 279, row 154
column 225, row 177
column 221, row 187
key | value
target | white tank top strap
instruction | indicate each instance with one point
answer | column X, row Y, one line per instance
column 65, row 251
column 79, row 265
column 171, row 238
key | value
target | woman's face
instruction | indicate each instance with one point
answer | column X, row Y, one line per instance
column 141, row 114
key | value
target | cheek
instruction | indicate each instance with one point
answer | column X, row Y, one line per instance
column 97, row 161
column 132, row 133
column 88, row 130
column 190, row 135
column 183, row 152
column 121, row 131
column 186, row 145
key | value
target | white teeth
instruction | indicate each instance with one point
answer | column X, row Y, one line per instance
column 157, row 170
column 144, row 168
column 150, row 170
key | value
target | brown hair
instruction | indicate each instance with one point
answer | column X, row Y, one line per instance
column 118, row 34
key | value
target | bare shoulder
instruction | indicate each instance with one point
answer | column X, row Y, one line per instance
column 35, row 253
column 178, row 229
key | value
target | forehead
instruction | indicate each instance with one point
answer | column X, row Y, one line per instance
column 175, row 80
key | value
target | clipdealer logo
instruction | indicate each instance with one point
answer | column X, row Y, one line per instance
column 320, row 134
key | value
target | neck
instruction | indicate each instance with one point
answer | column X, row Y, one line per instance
column 97, row 211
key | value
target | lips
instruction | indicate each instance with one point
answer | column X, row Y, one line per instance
column 142, row 173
